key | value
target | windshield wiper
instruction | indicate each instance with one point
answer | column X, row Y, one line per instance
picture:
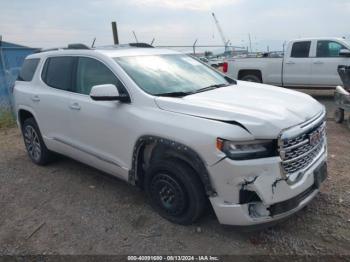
column 208, row 88
column 175, row 94
column 182, row 94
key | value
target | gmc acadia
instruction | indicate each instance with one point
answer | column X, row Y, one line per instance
column 177, row 128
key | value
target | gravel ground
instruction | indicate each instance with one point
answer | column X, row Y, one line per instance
column 70, row 208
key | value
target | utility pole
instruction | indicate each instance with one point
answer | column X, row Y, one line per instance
column 250, row 43
column 115, row 33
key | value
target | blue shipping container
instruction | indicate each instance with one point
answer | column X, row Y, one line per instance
column 11, row 60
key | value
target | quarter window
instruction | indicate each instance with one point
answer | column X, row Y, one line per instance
column 58, row 72
column 301, row 49
column 91, row 72
column 328, row 48
column 28, row 69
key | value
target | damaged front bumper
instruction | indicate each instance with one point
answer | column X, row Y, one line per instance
column 256, row 192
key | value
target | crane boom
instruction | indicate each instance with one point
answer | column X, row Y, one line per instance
column 220, row 31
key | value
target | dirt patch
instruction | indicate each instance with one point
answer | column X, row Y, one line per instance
column 69, row 208
column 6, row 119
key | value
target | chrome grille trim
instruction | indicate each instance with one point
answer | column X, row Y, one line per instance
column 297, row 145
column 297, row 152
column 302, row 155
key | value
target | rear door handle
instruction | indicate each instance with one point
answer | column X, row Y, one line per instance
column 318, row 63
column 35, row 98
column 290, row 63
column 75, row 106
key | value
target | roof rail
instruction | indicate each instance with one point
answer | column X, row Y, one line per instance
column 84, row 47
column 143, row 45
column 77, row 46
column 46, row 50
column 69, row 47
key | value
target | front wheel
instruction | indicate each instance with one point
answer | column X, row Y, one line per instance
column 175, row 191
column 36, row 148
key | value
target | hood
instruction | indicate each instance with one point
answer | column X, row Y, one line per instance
column 262, row 109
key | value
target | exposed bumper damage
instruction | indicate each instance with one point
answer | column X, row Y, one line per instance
column 261, row 193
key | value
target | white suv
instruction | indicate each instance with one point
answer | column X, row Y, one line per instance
column 174, row 126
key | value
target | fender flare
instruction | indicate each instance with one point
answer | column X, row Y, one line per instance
column 182, row 151
column 28, row 109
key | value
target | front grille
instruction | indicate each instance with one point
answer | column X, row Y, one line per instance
column 299, row 152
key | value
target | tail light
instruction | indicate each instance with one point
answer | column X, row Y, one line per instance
column 225, row 67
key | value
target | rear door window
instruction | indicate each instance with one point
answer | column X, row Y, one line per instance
column 301, row 49
column 59, row 72
column 28, row 69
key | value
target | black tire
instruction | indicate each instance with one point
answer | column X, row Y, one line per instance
column 251, row 78
column 175, row 191
column 36, row 148
column 348, row 123
column 339, row 115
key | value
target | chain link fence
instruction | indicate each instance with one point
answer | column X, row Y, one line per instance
column 11, row 60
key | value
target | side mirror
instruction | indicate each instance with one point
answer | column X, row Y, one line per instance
column 107, row 92
column 344, row 52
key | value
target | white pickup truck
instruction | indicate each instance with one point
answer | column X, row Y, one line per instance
column 310, row 62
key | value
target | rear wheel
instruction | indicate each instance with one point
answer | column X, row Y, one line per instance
column 251, row 78
column 36, row 148
column 175, row 191
column 339, row 115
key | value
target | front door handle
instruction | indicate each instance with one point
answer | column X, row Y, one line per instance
column 290, row 63
column 35, row 98
column 318, row 63
column 75, row 106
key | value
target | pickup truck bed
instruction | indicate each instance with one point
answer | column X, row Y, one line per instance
column 306, row 63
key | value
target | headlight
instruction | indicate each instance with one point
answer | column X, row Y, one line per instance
column 247, row 150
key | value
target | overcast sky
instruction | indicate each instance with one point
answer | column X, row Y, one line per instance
column 43, row 23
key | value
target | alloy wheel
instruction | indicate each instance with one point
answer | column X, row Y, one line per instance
column 32, row 143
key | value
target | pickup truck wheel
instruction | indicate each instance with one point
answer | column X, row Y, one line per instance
column 36, row 148
column 175, row 191
column 251, row 78
column 339, row 115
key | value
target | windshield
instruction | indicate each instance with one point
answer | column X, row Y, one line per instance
column 171, row 74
